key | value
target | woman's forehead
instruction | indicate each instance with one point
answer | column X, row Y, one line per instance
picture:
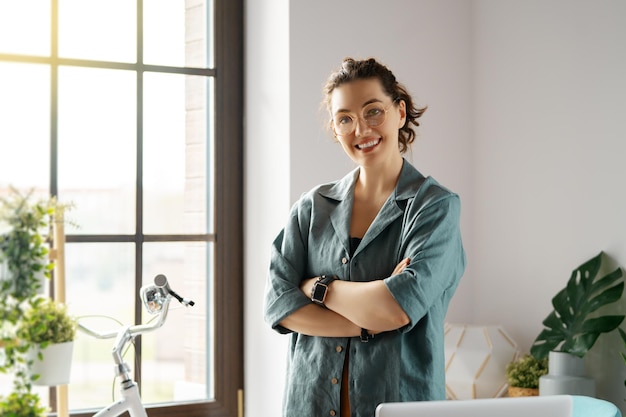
column 353, row 95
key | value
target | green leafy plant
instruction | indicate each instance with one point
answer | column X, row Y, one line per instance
column 24, row 266
column 22, row 402
column 24, row 256
column 525, row 371
column 569, row 327
column 25, row 404
column 46, row 322
column 23, row 248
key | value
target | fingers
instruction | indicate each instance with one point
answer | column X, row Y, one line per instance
column 400, row 267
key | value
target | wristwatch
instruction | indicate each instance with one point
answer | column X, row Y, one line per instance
column 366, row 336
column 320, row 288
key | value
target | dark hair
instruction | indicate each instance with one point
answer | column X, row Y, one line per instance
column 352, row 70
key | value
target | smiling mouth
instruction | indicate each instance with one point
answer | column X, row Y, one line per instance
column 368, row 145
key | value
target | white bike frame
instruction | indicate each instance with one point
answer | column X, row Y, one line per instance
column 131, row 399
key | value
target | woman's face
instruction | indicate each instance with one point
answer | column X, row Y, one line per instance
column 357, row 101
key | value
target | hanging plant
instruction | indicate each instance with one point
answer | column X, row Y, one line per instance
column 22, row 402
column 24, row 266
column 569, row 327
column 46, row 322
column 23, row 247
column 25, row 404
column 24, row 256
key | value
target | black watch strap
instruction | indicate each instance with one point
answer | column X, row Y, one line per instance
column 320, row 288
column 366, row 336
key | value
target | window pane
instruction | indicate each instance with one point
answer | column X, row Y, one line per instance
column 175, row 358
column 100, row 291
column 81, row 130
column 210, row 117
column 210, row 34
column 164, row 32
column 24, row 126
column 97, row 148
column 103, row 30
column 175, row 154
column 175, row 33
column 25, row 27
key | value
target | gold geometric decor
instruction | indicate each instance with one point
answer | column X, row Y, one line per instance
column 476, row 358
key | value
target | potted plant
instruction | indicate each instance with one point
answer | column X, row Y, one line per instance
column 22, row 404
column 48, row 330
column 523, row 375
column 569, row 330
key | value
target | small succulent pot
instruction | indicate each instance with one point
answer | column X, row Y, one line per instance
column 523, row 392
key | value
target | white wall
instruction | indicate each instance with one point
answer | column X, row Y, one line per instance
column 523, row 122
column 266, row 192
column 549, row 146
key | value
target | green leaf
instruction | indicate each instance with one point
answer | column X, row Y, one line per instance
column 554, row 323
column 567, row 327
column 561, row 307
column 542, row 348
column 580, row 345
column 610, row 295
column 603, row 324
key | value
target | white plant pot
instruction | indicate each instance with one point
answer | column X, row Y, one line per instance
column 54, row 368
column 566, row 375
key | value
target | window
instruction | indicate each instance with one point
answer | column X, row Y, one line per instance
column 132, row 112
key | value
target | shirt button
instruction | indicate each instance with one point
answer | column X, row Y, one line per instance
column 334, row 381
column 344, row 260
column 339, row 349
column 333, row 413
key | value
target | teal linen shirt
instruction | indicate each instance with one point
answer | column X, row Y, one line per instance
column 420, row 220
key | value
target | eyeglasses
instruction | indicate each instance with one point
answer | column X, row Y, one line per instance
column 372, row 115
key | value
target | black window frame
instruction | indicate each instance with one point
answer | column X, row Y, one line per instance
column 228, row 228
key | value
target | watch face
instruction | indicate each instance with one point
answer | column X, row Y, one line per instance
column 319, row 292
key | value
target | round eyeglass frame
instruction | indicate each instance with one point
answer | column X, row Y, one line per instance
column 369, row 123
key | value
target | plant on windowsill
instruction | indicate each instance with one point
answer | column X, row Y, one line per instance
column 523, row 375
column 571, row 330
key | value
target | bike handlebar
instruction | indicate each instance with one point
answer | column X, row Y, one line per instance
column 161, row 282
column 156, row 298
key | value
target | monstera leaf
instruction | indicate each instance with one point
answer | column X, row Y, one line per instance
column 569, row 328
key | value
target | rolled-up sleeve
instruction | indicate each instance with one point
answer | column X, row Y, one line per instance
column 287, row 266
column 431, row 238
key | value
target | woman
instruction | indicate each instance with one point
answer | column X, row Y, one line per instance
column 362, row 274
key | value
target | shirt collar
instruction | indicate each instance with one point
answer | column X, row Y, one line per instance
column 407, row 186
